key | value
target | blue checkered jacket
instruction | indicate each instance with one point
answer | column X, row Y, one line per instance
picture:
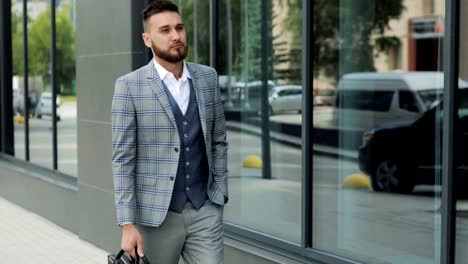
column 146, row 143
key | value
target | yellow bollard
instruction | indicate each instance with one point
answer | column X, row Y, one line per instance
column 357, row 181
column 18, row 119
column 253, row 161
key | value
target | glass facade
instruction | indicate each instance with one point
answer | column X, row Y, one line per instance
column 341, row 157
column 377, row 199
column 460, row 140
column 260, row 81
column 36, row 142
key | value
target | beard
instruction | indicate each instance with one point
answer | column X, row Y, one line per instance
column 180, row 54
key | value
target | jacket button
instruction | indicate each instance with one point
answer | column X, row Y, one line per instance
column 176, row 149
column 172, row 178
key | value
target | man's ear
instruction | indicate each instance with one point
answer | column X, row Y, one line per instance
column 146, row 39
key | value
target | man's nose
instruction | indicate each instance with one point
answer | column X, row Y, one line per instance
column 175, row 35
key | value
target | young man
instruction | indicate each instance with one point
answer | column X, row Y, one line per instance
column 169, row 150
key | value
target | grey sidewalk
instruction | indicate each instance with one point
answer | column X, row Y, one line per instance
column 29, row 238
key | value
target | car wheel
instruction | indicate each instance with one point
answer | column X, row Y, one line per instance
column 270, row 110
column 390, row 176
column 39, row 116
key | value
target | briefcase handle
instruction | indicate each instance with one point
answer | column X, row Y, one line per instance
column 144, row 259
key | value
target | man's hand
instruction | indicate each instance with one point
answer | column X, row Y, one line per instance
column 132, row 239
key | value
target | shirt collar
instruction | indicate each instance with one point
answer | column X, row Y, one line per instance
column 163, row 72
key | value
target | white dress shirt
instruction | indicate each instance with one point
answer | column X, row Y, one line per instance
column 180, row 89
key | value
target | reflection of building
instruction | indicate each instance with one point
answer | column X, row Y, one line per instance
column 425, row 40
column 419, row 30
column 286, row 45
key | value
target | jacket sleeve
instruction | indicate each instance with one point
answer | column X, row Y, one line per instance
column 124, row 152
column 219, row 144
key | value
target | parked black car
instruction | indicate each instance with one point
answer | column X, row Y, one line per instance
column 401, row 156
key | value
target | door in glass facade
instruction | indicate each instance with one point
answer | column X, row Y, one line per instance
column 378, row 141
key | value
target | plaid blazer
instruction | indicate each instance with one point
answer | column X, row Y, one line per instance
column 145, row 143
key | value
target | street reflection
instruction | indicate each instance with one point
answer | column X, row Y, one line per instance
column 378, row 147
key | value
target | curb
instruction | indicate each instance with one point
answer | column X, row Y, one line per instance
column 293, row 141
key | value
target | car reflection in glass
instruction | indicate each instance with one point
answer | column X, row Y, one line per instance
column 398, row 157
column 44, row 107
column 287, row 98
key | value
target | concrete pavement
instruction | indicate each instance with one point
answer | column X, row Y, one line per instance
column 29, row 238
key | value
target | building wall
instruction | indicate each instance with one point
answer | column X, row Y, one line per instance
column 105, row 51
column 399, row 60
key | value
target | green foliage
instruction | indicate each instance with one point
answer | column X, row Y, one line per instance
column 342, row 32
column 17, row 44
column 39, row 47
column 237, row 32
column 200, row 18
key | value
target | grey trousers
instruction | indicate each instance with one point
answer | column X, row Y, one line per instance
column 196, row 235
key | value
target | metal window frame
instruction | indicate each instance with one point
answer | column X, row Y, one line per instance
column 7, row 143
column 53, row 77
column 26, row 80
column 307, row 126
column 451, row 71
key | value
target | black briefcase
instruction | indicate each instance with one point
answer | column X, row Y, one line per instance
column 124, row 258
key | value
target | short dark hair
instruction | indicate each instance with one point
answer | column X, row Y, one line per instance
column 157, row 6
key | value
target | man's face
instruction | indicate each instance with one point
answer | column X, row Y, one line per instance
column 166, row 36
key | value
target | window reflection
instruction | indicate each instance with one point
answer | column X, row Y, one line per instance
column 261, row 87
column 40, row 84
column 377, row 148
column 40, row 133
column 461, row 146
column 18, row 79
column 66, row 99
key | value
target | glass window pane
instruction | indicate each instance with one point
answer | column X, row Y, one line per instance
column 66, row 85
column 263, row 113
column 196, row 15
column 461, row 143
column 377, row 148
column 18, row 78
column 40, row 133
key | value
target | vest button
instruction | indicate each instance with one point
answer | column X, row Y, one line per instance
column 176, row 149
column 172, row 178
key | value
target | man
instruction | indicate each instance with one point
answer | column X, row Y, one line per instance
column 169, row 150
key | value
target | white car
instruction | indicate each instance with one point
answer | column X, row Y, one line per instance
column 286, row 98
column 44, row 106
column 18, row 102
column 374, row 99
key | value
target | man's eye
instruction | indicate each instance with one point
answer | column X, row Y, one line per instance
column 165, row 30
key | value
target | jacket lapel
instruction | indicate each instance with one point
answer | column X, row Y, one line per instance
column 200, row 96
column 158, row 89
